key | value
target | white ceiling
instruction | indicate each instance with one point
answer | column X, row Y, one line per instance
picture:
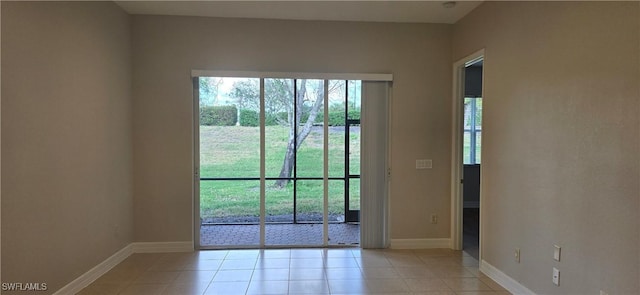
column 373, row 11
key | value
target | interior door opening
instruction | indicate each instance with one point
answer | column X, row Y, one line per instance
column 471, row 155
column 268, row 150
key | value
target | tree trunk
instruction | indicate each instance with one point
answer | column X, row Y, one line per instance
column 287, row 165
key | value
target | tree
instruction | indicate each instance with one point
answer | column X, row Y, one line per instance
column 294, row 142
column 209, row 90
column 279, row 98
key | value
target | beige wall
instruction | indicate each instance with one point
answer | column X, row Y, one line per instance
column 166, row 49
column 66, row 139
column 560, row 141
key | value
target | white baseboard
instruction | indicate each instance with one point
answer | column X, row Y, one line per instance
column 140, row 247
column 471, row 204
column 420, row 243
column 504, row 280
column 93, row 274
column 162, row 247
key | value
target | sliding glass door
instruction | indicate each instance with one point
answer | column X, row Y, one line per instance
column 278, row 161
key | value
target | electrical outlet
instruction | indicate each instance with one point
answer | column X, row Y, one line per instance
column 424, row 164
column 434, row 219
column 517, row 255
column 556, row 277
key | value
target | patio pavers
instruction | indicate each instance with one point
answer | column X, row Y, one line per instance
column 346, row 234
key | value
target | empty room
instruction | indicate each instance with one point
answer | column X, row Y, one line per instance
column 320, row 147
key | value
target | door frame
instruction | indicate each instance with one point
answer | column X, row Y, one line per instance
column 196, row 74
column 457, row 142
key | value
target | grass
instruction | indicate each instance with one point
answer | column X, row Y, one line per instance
column 234, row 151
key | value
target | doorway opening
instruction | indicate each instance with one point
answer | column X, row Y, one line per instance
column 467, row 139
column 278, row 162
column 471, row 152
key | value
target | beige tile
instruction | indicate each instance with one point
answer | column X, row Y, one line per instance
column 236, row 275
column 442, row 261
column 387, row 285
column 243, row 254
column 309, row 287
column 373, row 261
column 102, row 289
column 406, row 262
column 491, row 283
column 268, row 287
column 275, row 253
column 157, row 277
column 470, row 261
column 415, row 272
column 476, row 293
column 434, row 293
column 119, row 276
column 344, row 274
column 306, row 263
column 276, row 274
column 227, row 288
column 341, row 262
column 380, row 273
column 238, row 264
column 172, row 264
column 422, row 285
column 193, row 288
column 144, row 289
column 211, row 254
column 452, row 272
column 348, row 287
column 204, row 264
column 433, row 252
column 474, row 270
column 466, row 284
column 336, row 253
column 192, row 276
column 273, row 263
column 306, row 253
column 307, row 274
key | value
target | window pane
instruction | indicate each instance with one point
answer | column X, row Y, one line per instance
column 336, row 200
column 354, row 99
column 354, row 194
column 310, row 200
column 478, row 146
column 354, row 150
column 310, row 101
column 279, row 121
column 229, row 148
column 233, row 201
column 336, row 128
column 466, row 151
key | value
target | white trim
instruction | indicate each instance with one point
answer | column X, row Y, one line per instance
column 420, row 243
column 504, row 280
column 456, row 145
column 471, row 204
column 195, row 196
column 294, row 75
column 96, row 272
column 162, row 247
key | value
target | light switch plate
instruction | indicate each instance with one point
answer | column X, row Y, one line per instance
column 556, row 252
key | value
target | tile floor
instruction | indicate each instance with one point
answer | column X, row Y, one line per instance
column 297, row 271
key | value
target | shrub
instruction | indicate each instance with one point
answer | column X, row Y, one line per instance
column 249, row 118
column 218, row 115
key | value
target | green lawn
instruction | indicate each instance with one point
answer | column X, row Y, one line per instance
column 234, row 151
